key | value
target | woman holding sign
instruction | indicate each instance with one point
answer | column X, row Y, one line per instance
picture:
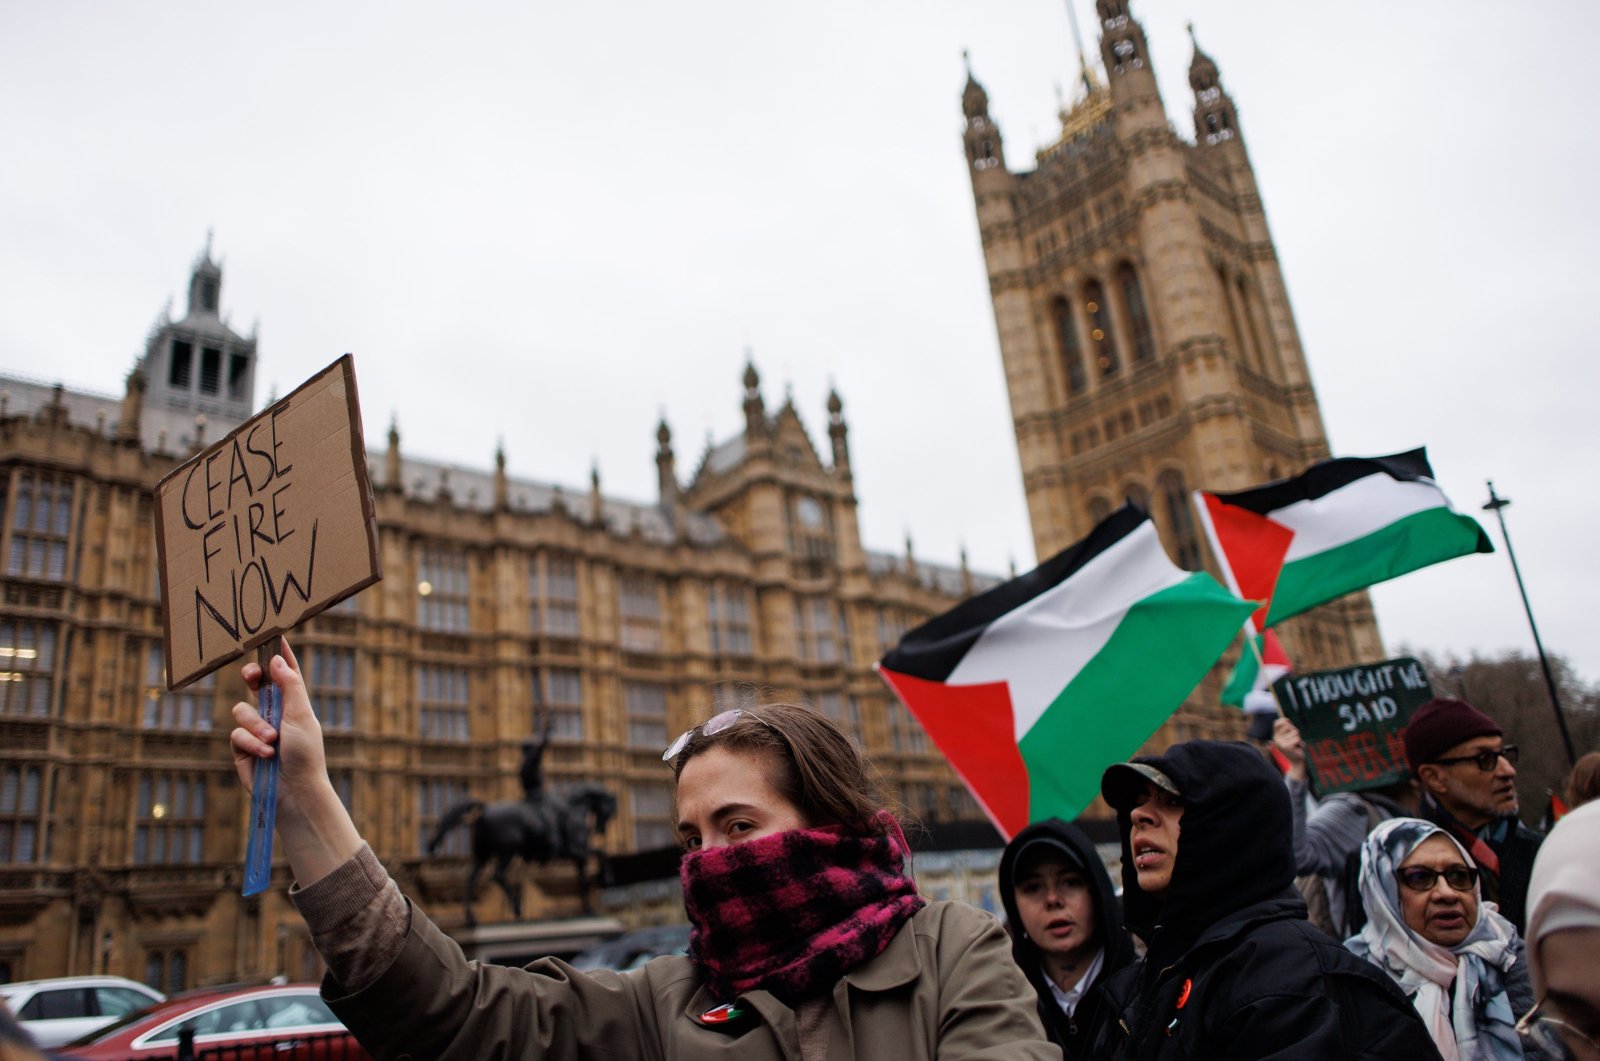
column 808, row 937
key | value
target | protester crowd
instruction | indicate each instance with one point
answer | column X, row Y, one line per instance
column 1453, row 936
column 1457, row 932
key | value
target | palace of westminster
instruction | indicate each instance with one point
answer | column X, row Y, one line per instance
column 1148, row 346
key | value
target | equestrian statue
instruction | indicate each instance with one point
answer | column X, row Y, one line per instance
column 535, row 828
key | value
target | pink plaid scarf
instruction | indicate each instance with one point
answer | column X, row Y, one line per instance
column 792, row 912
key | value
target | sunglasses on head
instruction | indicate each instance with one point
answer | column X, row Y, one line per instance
column 1422, row 879
column 710, row 728
column 1485, row 761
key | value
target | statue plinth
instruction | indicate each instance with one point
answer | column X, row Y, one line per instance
column 520, row 942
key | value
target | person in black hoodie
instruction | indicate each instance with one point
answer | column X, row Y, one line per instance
column 1232, row 968
column 1066, row 927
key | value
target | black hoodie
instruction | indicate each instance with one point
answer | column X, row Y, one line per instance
column 1233, row 969
column 1073, row 1036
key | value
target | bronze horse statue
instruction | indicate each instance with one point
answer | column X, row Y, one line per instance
column 536, row 829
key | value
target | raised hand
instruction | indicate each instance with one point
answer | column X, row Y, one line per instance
column 300, row 738
column 1286, row 738
column 315, row 829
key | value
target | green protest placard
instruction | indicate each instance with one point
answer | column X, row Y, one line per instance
column 1353, row 721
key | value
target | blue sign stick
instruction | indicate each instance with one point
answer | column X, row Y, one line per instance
column 264, row 792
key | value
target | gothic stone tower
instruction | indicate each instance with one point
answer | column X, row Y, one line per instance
column 198, row 375
column 1145, row 329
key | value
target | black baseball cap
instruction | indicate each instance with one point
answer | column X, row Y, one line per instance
column 1042, row 845
column 1122, row 783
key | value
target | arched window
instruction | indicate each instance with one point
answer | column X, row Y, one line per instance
column 1099, row 509
column 1102, row 343
column 1144, row 343
column 1071, row 353
column 1138, row 495
column 1246, row 356
column 1250, row 322
column 1180, row 520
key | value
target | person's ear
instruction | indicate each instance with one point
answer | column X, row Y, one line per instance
column 1431, row 777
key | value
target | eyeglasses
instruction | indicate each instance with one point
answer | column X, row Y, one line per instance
column 1485, row 761
column 710, row 728
column 1422, row 879
column 1552, row 1035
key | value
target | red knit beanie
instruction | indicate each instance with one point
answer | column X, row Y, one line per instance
column 1441, row 724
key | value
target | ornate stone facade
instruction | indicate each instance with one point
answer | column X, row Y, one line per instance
column 1145, row 330
column 121, row 824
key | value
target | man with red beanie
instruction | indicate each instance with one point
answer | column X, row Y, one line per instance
column 1468, row 776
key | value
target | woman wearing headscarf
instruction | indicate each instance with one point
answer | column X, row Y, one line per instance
column 1564, row 936
column 1451, row 952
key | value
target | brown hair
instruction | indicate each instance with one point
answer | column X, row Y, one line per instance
column 1583, row 784
column 818, row 768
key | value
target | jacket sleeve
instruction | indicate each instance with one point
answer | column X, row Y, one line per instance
column 1297, row 1027
column 405, row 989
column 1291, row 992
column 1519, row 986
column 1324, row 837
column 357, row 918
column 1519, row 993
column 431, row 1002
column 987, row 1008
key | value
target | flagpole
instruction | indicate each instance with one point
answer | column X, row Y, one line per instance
column 1251, row 640
column 1497, row 505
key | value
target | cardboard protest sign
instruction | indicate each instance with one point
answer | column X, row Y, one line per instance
column 1353, row 721
column 268, row 526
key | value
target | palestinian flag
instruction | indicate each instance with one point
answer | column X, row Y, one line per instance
column 1032, row 689
column 1262, row 662
column 1555, row 808
column 1342, row 525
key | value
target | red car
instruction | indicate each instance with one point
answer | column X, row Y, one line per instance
column 278, row 1022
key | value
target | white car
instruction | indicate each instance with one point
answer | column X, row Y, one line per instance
column 60, row 1010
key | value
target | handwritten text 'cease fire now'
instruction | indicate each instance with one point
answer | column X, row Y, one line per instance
column 249, row 472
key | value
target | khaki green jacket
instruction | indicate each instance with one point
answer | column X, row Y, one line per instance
column 945, row 988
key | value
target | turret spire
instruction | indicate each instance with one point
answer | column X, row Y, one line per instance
column 1215, row 120
column 391, row 459
column 666, row 468
column 502, row 486
column 838, row 433
column 1077, row 43
column 984, row 148
column 129, row 424
column 755, row 410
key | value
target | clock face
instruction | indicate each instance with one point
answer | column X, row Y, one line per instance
column 808, row 511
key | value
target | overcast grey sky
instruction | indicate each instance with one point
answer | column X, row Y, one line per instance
column 549, row 223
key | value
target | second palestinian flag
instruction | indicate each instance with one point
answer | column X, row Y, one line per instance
column 1032, row 689
column 1342, row 525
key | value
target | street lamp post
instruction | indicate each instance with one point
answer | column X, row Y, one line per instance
column 1497, row 505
